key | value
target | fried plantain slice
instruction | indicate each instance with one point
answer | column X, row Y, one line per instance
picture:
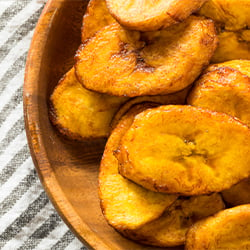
column 170, row 229
column 129, row 63
column 223, row 89
column 238, row 194
column 79, row 113
column 232, row 45
column 185, row 150
column 126, row 205
column 175, row 98
column 96, row 17
column 151, row 15
column 231, row 15
column 228, row 229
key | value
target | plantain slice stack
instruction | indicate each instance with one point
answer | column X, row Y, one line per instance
column 140, row 214
column 232, row 44
column 167, row 167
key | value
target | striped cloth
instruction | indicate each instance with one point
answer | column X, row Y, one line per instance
column 27, row 218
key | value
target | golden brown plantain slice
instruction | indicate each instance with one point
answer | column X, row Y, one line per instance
column 125, row 204
column 232, row 45
column 79, row 113
column 185, row 150
column 229, row 14
column 152, row 15
column 129, row 63
column 170, row 229
column 238, row 194
column 226, row 230
column 175, row 98
column 223, row 89
column 96, row 17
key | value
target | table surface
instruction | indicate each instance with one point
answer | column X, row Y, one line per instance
column 27, row 218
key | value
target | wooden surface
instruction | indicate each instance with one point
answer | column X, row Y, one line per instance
column 68, row 170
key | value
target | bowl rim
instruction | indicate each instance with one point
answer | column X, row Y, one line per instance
column 33, row 131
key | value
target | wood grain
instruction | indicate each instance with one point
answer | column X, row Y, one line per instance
column 68, row 170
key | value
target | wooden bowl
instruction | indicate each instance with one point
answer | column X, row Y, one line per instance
column 68, row 170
